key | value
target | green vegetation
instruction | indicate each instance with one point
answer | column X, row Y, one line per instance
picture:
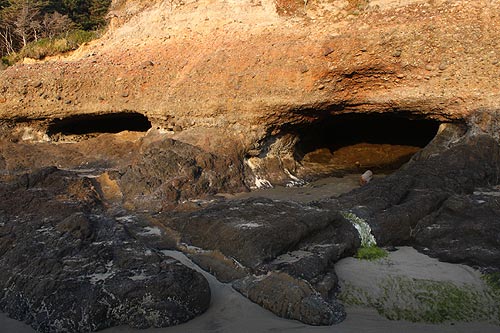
column 40, row 28
column 51, row 46
column 371, row 253
column 400, row 298
column 493, row 281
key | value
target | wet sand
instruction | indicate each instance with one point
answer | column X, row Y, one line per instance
column 317, row 190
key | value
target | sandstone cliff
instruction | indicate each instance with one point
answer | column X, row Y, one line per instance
column 253, row 67
column 109, row 150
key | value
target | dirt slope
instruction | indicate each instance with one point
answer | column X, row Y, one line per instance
column 252, row 67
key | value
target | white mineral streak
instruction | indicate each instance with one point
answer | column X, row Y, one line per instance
column 151, row 231
column 294, row 180
column 249, row 225
column 363, row 228
column 96, row 277
column 260, row 182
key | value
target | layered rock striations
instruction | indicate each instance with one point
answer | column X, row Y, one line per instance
column 116, row 152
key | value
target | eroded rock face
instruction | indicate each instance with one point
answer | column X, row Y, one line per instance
column 224, row 119
column 465, row 229
column 290, row 298
column 68, row 265
column 146, row 170
column 445, row 203
column 169, row 171
column 291, row 248
column 325, row 58
column 256, row 231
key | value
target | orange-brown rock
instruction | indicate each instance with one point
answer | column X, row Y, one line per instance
column 234, row 77
column 240, row 66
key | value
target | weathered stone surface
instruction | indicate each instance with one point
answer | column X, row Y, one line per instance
column 293, row 245
column 389, row 56
column 255, row 231
column 146, row 170
column 465, row 229
column 431, row 191
column 69, row 266
column 216, row 111
column 290, row 298
column 168, row 171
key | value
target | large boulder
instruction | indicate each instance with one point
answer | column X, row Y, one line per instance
column 256, row 231
column 167, row 171
column 284, row 250
column 393, row 205
column 68, row 265
column 290, row 298
column 465, row 229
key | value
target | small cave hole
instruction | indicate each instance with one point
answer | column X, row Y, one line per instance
column 97, row 124
column 356, row 142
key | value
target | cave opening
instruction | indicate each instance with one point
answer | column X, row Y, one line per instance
column 98, row 124
column 356, row 142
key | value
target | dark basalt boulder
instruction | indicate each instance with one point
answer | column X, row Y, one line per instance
column 465, row 229
column 287, row 250
column 168, row 171
column 291, row 298
column 437, row 203
column 255, row 231
column 70, row 266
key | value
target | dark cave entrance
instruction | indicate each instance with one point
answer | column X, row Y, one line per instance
column 357, row 142
column 97, row 124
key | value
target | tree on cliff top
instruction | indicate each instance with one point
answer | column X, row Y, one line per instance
column 23, row 17
column 26, row 21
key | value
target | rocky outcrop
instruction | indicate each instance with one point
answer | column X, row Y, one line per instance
column 289, row 246
column 215, row 117
column 145, row 170
column 445, row 203
column 420, row 59
column 69, row 265
column 442, row 203
column 464, row 229
column 290, row 298
column 256, row 231
column 169, row 171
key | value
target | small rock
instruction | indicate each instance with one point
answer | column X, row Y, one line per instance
column 146, row 64
column 327, row 51
column 397, row 53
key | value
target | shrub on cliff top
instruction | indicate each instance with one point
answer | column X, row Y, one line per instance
column 51, row 46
